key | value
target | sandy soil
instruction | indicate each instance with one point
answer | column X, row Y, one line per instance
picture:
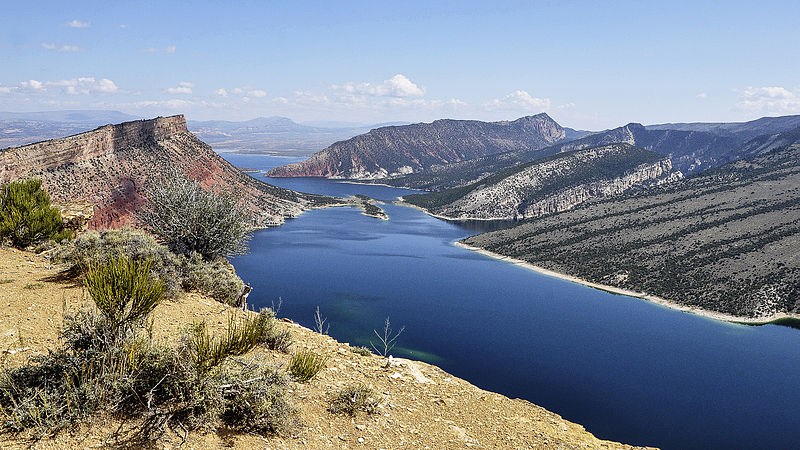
column 422, row 406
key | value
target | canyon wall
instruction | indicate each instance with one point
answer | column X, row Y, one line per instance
column 112, row 166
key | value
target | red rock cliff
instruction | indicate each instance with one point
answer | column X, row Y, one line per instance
column 112, row 166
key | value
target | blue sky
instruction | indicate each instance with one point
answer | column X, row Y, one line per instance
column 589, row 65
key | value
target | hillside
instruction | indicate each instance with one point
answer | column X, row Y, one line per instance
column 690, row 151
column 742, row 130
column 400, row 150
column 551, row 184
column 725, row 240
column 112, row 166
column 421, row 405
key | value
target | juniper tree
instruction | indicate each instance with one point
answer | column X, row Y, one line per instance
column 26, row 215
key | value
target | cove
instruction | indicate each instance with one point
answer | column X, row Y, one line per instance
column 626, row 369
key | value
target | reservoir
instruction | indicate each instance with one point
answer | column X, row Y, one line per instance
column 624, row 368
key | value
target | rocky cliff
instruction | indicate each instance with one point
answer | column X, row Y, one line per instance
column 112, row 166
column 725, row 240
column 401, row 150
column 551, row 184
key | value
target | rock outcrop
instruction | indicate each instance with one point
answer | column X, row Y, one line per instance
column 551, row 184
column 400, row 150
column 725, row 240
column 112, row 166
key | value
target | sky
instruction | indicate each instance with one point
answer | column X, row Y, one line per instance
column 588, row 64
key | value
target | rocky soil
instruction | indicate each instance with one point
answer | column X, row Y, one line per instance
column 421, row 406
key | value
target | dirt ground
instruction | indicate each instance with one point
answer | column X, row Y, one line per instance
column 422, row 406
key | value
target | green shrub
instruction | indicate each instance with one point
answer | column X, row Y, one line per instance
column 214, row 278
column 189, row 218
column 26, row 215
column 305, row 365
column 243, row 335
column 354, row 398
column 134, row 378
column 177, row 272
column 94, row 247
column 363, row 351
column 123, row 292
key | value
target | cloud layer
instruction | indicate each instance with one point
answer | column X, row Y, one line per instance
column 770, row 100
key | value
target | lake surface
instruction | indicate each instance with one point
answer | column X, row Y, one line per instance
column 624, row 368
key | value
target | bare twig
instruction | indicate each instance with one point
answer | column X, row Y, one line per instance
column 387, row 340
column 320, row 323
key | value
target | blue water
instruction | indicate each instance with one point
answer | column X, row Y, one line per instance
column 624, row 368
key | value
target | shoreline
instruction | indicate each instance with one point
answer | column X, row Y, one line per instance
column 708, row 314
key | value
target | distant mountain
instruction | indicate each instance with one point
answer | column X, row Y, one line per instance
column 551, row 184
column 400, row 150
column 688, row 151
column 763, row 144
column 271, row 135
column 100, row 117
column 742, row 130
column 725, row 240
column 24, row 128
column 112, row 167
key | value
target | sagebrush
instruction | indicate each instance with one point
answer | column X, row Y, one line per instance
column 354, row 398
column 215, row 278
column 190, row 219
column 102, row 367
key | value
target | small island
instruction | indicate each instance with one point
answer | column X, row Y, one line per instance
column 369, row 206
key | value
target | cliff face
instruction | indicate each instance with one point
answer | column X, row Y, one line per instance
column 400, row 150
column 552, row 184
column 725, row 240
column 112, row 166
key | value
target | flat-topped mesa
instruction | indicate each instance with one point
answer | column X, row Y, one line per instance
column 112, row 166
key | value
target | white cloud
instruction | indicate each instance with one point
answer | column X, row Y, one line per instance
column 122, row 25
column 221, row 92
column 76, row 86
column 6, row 89
column 258, row 93
column 566, row 106
column 174, row 104
column 61, row 48
column 238, row 91
column 770, row 99
column 281, row 100
column 397, row 86
column 519, row 100
column 33, row 84
column 78, row 24
column 107, row 86
column 702, row 96
column 184, row 87
column 168, row 49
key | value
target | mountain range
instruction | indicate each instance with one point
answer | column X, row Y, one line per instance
column 396, row 151
column 724, row 240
